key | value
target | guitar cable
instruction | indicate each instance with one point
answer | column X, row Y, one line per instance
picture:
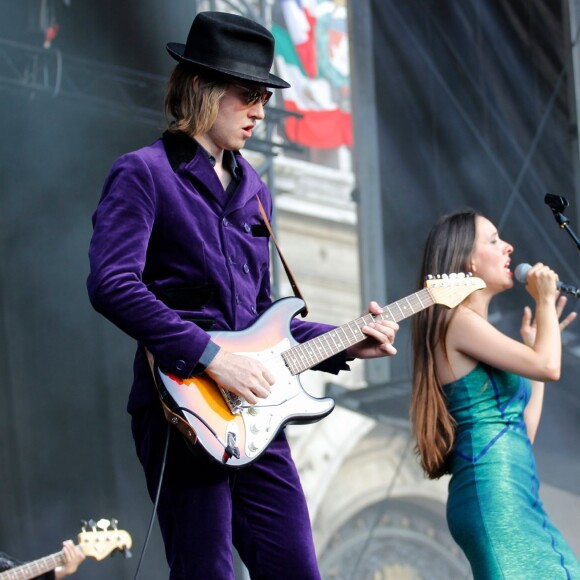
column 203, row 421
column 229, row 449
column 155, row 503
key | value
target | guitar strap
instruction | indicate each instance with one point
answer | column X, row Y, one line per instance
column 297, row 293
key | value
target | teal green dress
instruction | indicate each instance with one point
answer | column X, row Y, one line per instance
column 493, row 510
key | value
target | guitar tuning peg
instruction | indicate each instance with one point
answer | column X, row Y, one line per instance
column 444, row 276
column 469, row 274
column 429, row 277
column 92, row 524
column 103, row 524
column 452, row 276
column 84, row 525
column 127, row 553
column 460, row 275
column 114, row 523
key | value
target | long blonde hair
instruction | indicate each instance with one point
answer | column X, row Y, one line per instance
column 192, row 103
column 448, row 248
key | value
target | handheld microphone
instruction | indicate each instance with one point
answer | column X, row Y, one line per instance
column 521, row 273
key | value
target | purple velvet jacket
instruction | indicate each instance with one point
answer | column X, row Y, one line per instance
column 172, row 257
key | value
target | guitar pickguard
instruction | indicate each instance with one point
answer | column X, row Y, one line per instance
column 285, row 402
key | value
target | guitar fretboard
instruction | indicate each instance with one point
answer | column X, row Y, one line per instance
column 34, row 569
column 308, row 354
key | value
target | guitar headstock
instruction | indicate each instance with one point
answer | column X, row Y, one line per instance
column 99, row 539
column 452, row 289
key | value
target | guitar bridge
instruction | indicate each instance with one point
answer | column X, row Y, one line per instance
column 233, row 401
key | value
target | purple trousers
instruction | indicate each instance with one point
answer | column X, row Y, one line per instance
column 204, row 509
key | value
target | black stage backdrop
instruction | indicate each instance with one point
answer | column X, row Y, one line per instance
column 66, row 450
column 474, row 107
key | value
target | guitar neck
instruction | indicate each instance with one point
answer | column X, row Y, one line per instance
column 35, row 568
column 308, row 354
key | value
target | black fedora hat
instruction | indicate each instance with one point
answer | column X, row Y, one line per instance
column 230, row 46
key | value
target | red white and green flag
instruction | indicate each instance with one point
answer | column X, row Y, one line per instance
column 312, row 55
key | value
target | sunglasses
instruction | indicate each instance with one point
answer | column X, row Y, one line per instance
column 252, row 95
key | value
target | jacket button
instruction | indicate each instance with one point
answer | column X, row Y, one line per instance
column 247, row 227
column 246, row 268
column 180, row 365
column 225, row 222
column 253, row 309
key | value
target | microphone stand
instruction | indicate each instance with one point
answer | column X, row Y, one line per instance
column 557, row 204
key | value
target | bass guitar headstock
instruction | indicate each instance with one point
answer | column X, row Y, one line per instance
column 99, row 539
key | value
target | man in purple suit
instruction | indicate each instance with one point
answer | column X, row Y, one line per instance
column 179, row 249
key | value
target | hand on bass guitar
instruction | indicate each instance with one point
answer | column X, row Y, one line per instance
column 97, row 540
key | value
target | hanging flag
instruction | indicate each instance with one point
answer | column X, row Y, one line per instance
column 312, row 55
column 301, row 24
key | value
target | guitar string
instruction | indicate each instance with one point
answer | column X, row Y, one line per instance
column 301, row 353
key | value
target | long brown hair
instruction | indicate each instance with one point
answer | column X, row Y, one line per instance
column 193, row 104
column 447, row 250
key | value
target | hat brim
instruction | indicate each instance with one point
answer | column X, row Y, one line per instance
column 176, row 51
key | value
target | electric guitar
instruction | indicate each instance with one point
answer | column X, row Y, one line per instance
column 94, row 543
column 235, row 433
